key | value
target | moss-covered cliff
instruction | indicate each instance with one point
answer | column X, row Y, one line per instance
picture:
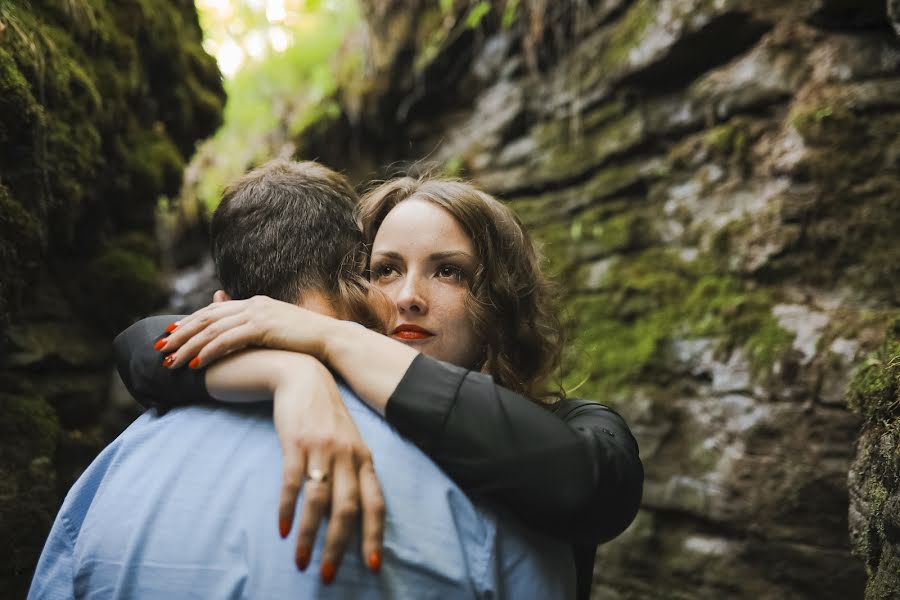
column 875, row 477
column 100, row 106
column 716, row 184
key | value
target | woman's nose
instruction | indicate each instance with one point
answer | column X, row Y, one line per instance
column 411, row 298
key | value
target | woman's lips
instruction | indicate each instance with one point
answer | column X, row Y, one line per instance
column 408, row 332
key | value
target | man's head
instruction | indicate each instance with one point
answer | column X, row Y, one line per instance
column 286, row 229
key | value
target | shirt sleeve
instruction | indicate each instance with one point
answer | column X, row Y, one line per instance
column 572, row 470
column 141, row 369
column 54, row 576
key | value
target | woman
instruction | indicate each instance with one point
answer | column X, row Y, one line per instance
column 468, row 290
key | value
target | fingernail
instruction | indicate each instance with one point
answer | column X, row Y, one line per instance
column 172, row 326
column 161, row 344
column 284, row 527
column 302, row 558
column 169, row 360
column 195, row 362
column 375, row 561
column 329, row 570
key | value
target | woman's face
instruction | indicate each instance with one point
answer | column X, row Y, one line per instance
column 423, row 260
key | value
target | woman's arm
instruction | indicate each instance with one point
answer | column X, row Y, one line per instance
column 573, row 472
column 314, row 428
column 141, row 368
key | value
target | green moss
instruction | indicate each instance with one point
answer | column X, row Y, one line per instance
column 629, row 32
column 624, row 330
column 728, row 140
column 610, row 181
column 29, row 438
column 99, row 104
column 21, row 246
column 811, row 122
column 564, row 158
column 453, row 167
column 124, row 284
column 875, row 388
column 875, row 393
column 28, row 428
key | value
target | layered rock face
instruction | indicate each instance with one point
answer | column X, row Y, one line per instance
column 100, row 106
column 716, row 185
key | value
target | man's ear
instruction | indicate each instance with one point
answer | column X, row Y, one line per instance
column 221, row 296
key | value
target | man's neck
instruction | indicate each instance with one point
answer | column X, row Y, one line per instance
column 319, row 302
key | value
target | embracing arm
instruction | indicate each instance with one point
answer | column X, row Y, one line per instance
column 314, row 428
column 140, row 366
column 572, row 472
column 340, row 344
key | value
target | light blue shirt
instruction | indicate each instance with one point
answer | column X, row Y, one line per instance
column 184, row 505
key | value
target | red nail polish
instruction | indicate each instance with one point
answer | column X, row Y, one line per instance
column 172, row 326
column 169, row 360
column 160, row 344
column 302, row 558
column 195, row 362
column 284, row 527
column 375, row 561
column 328, row 571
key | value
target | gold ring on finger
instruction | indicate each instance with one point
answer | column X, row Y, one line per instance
column 317, row 475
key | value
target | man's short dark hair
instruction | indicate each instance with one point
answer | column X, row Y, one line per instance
column 285, row 228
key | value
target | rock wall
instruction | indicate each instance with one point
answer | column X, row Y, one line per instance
column 716, row 184
column 875, row 475
column 100, row 106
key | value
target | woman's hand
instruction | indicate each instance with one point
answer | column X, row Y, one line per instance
column 223, row 327
column 325, row 456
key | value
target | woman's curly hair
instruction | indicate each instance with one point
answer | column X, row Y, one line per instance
column 511, row 303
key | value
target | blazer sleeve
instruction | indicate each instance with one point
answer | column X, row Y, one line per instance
column 141, row 369
column 572, row 471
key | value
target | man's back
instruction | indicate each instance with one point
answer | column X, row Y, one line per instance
column 184, row 505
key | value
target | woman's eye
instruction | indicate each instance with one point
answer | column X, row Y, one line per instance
column 382, row 271
column 450, row 271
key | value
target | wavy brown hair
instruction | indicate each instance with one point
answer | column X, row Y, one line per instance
column 511, row 303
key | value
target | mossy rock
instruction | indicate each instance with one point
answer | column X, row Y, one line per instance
column 21, row 246
column 625, row 328
column 29, row 437
column 124, row 285
column 875, row 394
column 101, row 105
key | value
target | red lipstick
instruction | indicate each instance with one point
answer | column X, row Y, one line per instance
column 407, row 332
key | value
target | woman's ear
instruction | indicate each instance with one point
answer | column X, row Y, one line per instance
column 221, row 296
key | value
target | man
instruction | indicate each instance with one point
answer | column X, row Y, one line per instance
column 182, row 504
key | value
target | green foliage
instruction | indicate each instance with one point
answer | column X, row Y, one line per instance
column 510, row 10
column 274, row 100
column 477, row 13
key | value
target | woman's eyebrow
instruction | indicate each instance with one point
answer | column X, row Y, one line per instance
column 436, row 256
column 389, row 254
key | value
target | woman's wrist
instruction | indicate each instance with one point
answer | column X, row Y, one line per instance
column 289, row 368
column 336, row 339
column 257, row 372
